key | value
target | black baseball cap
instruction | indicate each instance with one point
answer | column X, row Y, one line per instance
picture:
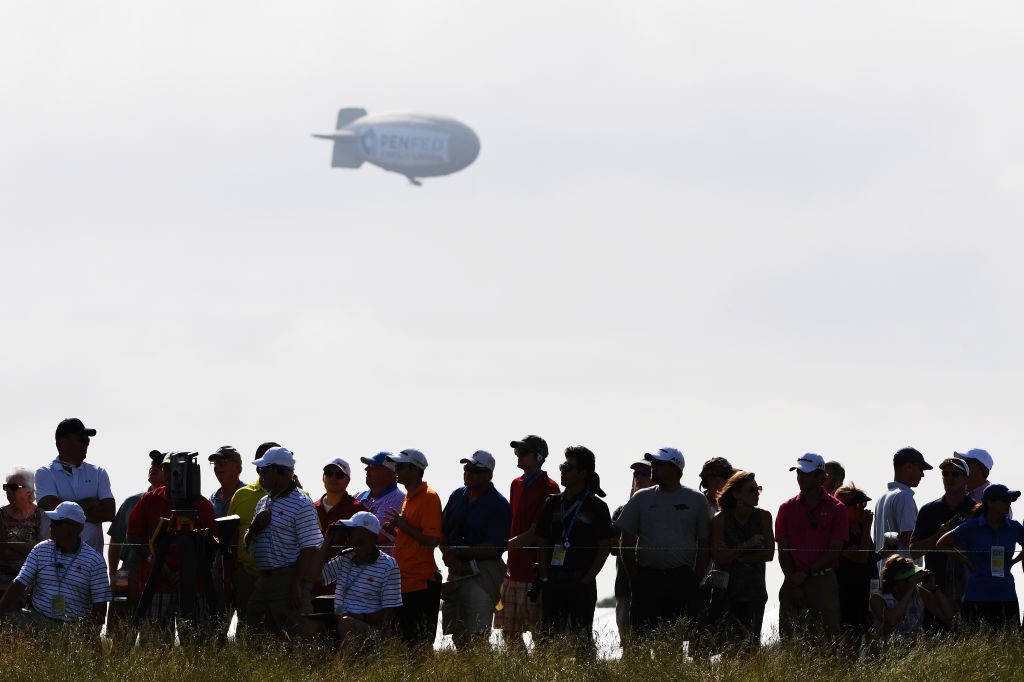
column 910, row 455
column 156, row 456
column 73, row 427
column 531, row 443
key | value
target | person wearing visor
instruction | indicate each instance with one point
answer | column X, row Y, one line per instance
column 67, row 577
column 664, row 543
column 382, row 497
column 576, row 534
column 937, row 518
column 69, row 478
column 283, row 539
column 417, row 533
column 475, row 525
column 519, row 614
column 810, row 530
column 908, row 594
column 987, row 542
column 367, row 583
column 856, row 568
column 640, row 478
column 896, row 510
column 333, row 506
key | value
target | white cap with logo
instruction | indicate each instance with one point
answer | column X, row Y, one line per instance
column 809, row 462
column 341, row 464
column 978, row 454
column 410, row 456
column 667, row 455
column 68, row 511
column 363, row 519
column 480, row 458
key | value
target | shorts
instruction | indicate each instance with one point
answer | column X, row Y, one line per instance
column 518, row 614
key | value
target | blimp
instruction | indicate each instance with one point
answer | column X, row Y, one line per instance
column 414, row 145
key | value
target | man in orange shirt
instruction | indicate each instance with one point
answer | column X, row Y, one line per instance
column 417, row 533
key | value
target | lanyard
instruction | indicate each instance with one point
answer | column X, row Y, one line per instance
column 61, row 577
column 575, row 511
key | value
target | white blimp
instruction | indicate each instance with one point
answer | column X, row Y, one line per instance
column 415, row 145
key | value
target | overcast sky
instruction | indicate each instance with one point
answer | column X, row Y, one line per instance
column 743, row 229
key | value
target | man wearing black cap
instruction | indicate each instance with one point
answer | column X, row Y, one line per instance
column 896, row 510
column 69, row 478
column 576, row 535
column 937, row 518
column 519, row 614
column 127, row 558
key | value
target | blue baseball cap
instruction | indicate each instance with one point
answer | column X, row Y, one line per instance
column 380, row 460
column 998, row 491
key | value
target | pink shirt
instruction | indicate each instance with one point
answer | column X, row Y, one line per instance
column 808, row 531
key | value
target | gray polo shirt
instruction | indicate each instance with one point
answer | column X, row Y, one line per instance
column 667, row 525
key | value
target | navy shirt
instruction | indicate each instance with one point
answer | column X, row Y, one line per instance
column 975, row 536
column 487, row 521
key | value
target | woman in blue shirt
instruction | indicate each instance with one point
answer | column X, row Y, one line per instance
column 988, row 540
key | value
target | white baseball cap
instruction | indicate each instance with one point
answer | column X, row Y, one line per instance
column 667, row 455
column 341, row 464
column 68, row 511
column 281, row 457
column 363, row 519
column 410, row 456
column 809, row 462
column 480, row 458
column 978, row 454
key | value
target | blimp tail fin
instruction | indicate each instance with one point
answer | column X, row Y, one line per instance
column 346, row 154
column 346, row 116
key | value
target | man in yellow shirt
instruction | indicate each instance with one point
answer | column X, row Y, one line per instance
column 240, row 575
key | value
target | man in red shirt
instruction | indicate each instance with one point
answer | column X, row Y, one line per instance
column 810, row 529
column 335, row 505
column 142, row 524
column 527, row 495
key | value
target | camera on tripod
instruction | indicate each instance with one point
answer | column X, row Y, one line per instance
column 183, row 481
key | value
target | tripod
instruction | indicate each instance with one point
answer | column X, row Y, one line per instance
column 195, row 560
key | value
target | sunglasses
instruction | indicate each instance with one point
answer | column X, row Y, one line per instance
column 272, row 467
column 643, row 472
column 952, row 474
column 753, row 489
column 473, row 470
column 567, row 466
column 334, row 473
column 11, row 487
column 402, row 465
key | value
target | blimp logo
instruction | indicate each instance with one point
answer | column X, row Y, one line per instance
column 415, row 145
column 368, row 140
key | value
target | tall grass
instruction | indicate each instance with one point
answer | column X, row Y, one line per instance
column 64, row 656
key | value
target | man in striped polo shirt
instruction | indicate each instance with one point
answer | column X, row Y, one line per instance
column 282, row 539
column 67, row 577
column 367, row 582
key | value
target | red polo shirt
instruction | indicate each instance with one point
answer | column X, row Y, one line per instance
column 526, row 501
column 809, row 531
column 342, row 511
column 142, row 523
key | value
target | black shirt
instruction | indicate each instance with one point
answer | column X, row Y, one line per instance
column 929, row 518
column 592, row 524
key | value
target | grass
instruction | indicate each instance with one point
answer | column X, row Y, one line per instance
column 61, row 657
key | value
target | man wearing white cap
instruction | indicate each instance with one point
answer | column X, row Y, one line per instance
column 417, row 533
column 980, row 463
column 67, row 577
column 475, row 525
column 282, row 539
column 810, row 529
column 665, row 531
column 367, row 583
column 335, row 505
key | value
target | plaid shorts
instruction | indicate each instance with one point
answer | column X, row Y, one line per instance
column 519, row 613
column 165, row 607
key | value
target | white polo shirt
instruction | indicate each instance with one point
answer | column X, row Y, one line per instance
column 363, row 588
column 71, row 483
column 79, row 580
column 293, row 527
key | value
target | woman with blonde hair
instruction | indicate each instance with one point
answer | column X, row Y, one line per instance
column 20, row 521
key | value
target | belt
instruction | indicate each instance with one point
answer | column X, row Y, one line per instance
column 818, row 574
column 281, row 570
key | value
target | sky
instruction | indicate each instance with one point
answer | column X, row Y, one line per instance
column 741, row 229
